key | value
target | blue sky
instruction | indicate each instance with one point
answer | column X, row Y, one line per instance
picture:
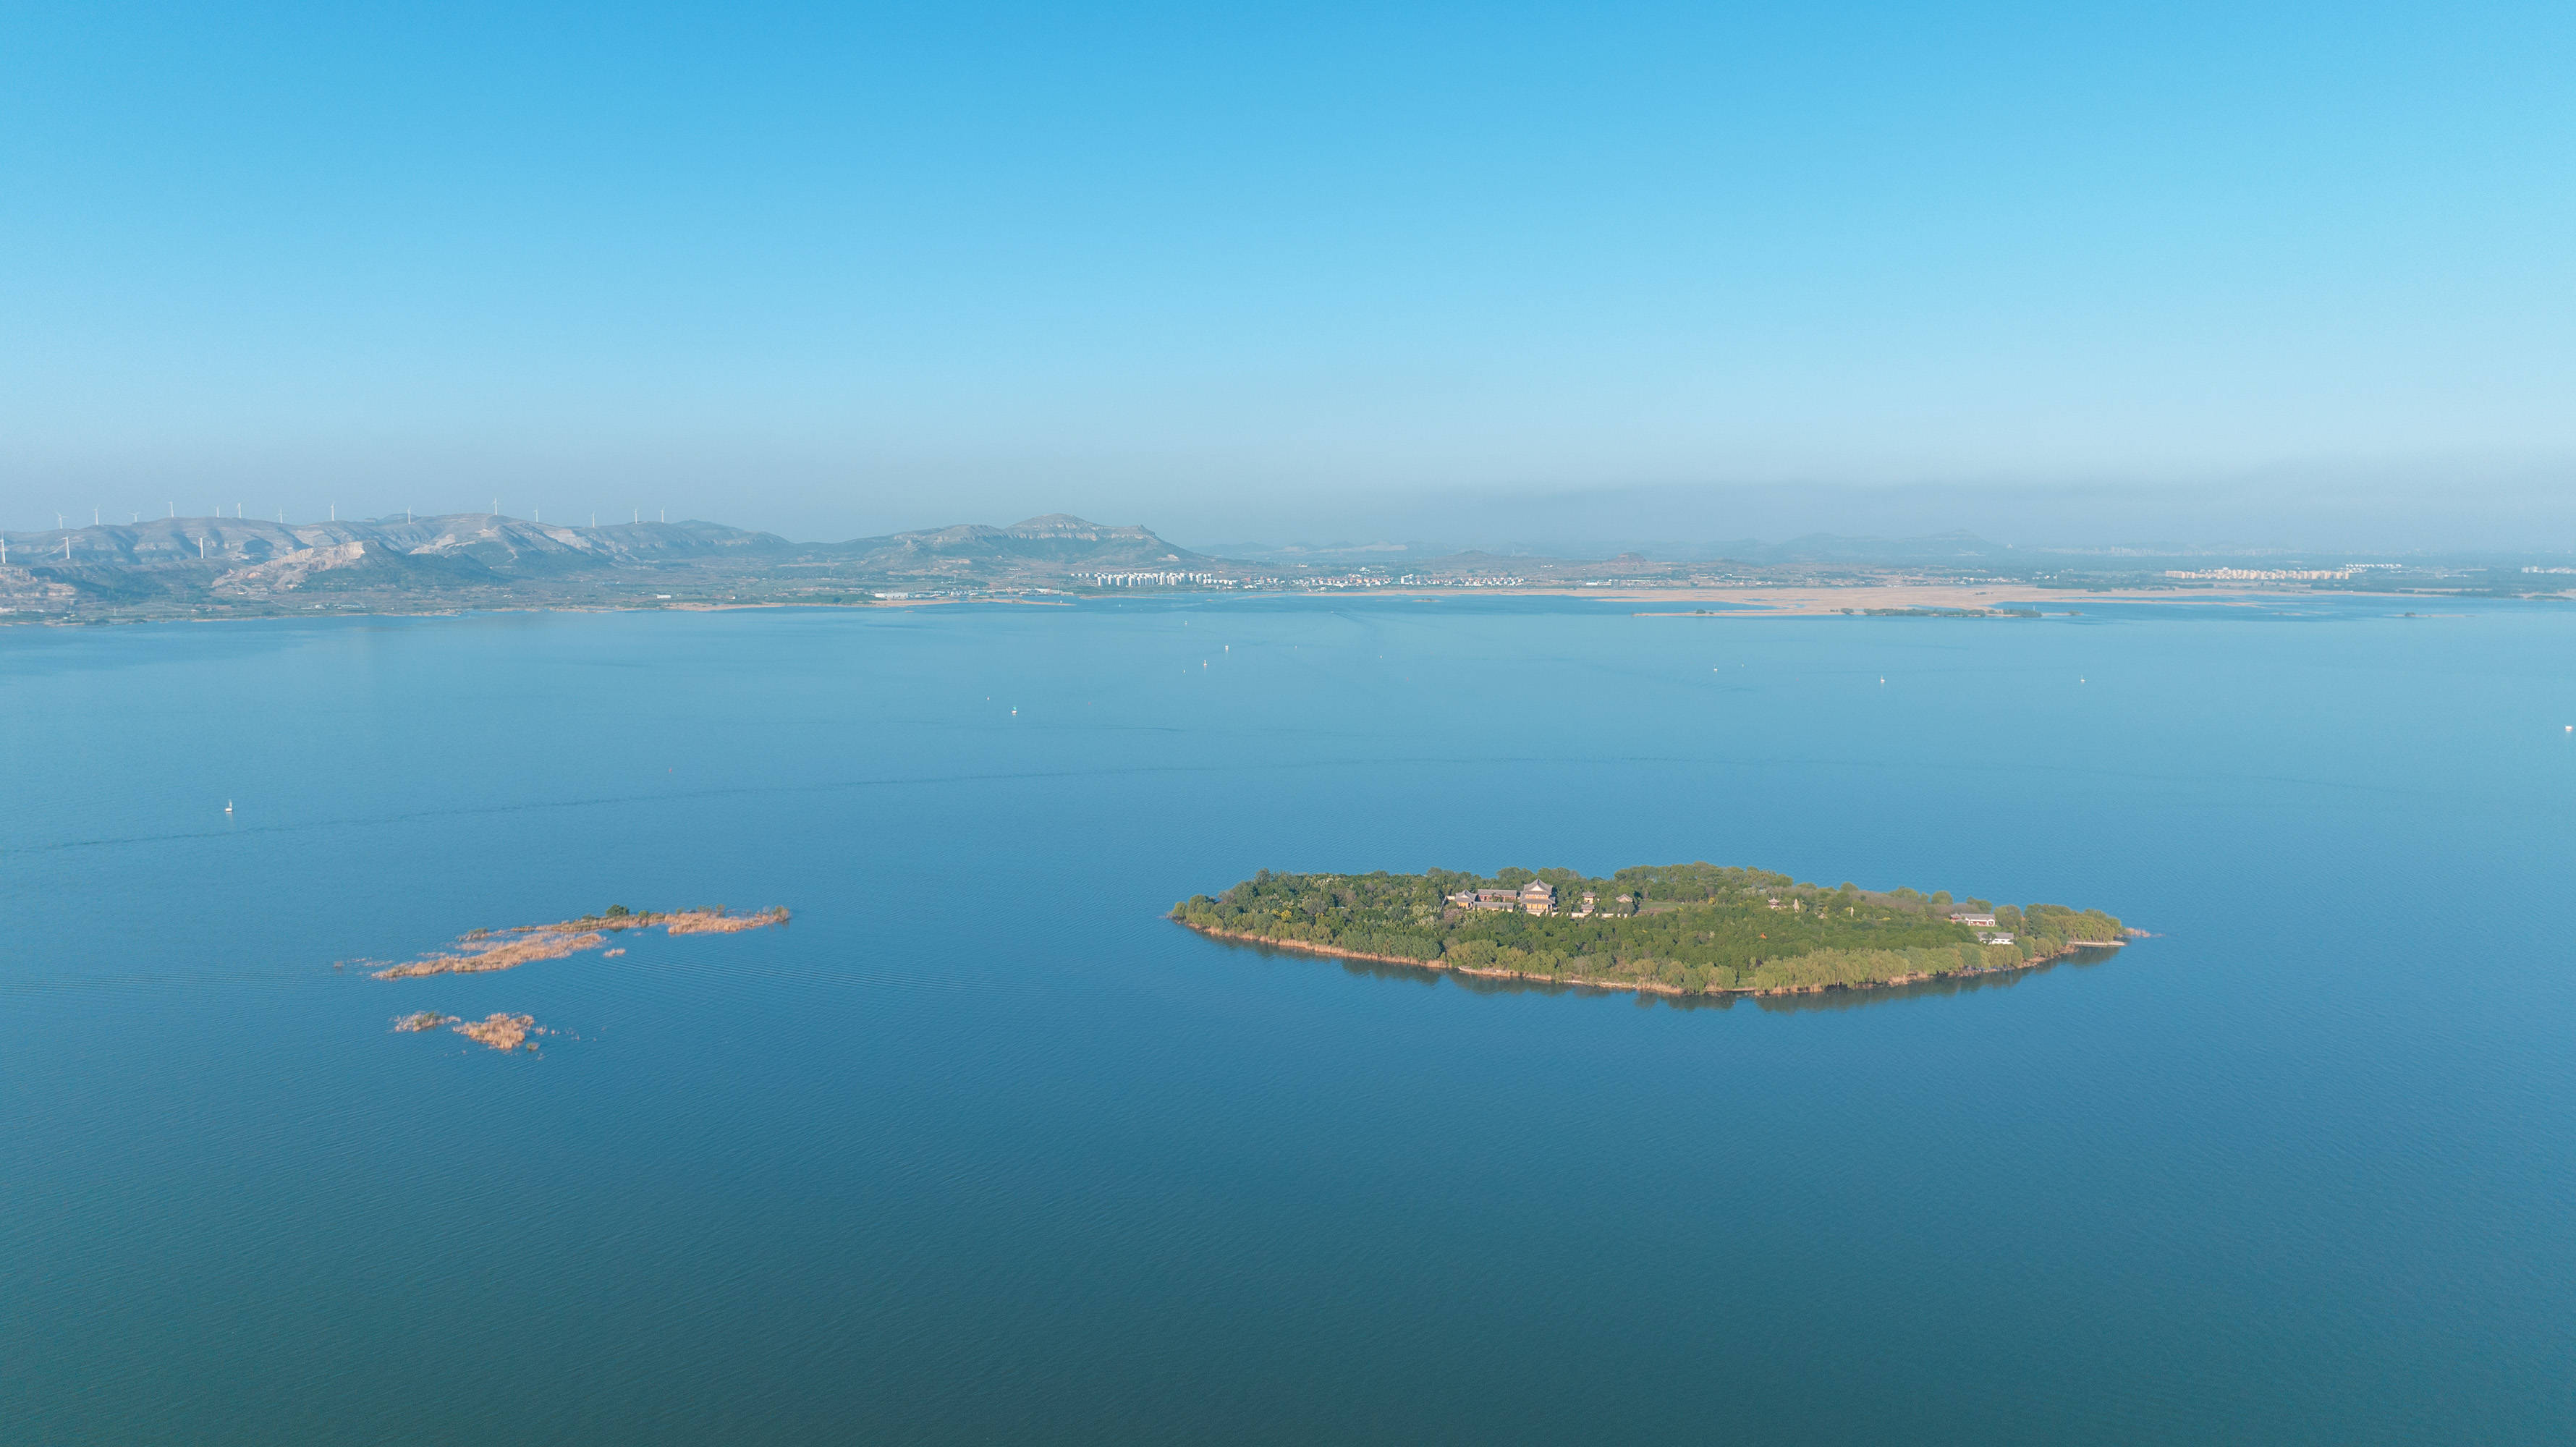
column 1274, row 272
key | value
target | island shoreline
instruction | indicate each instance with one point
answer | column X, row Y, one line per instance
column 1646, row 987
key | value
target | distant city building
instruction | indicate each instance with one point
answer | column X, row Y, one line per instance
column 1154, row 580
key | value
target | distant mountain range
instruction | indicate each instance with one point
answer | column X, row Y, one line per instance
column 197, row 567
column 487, row 539
column 1055, row 541
column 185, row 566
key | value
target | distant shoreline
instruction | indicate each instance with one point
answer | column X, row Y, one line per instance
column 461, row 610
column 1647, row 987
column 1856, row 601
column 203, row 568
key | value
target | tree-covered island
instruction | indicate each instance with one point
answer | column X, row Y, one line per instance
column 1669, row 928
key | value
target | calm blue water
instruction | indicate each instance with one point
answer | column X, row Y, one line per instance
column 983, row 1150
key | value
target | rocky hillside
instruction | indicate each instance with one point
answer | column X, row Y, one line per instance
column 503, row 544
column 1058, row 542
column 195, row 567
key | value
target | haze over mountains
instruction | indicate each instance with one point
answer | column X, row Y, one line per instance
column 1057, row 540
column 1951, row 547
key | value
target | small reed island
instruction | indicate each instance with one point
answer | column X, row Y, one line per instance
column 1679, row 929
column 507, row 948
column 499, row 1031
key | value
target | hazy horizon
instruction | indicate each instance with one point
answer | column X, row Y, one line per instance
column 2279, row 513
column 2201, row 275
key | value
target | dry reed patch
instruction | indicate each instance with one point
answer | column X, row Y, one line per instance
column 482, row 950
column 501, row 1031
column 510, row 948
column 717, row 922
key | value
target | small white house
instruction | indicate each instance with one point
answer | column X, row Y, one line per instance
column 1972, row 917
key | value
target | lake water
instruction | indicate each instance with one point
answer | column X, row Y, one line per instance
column 981, row 1149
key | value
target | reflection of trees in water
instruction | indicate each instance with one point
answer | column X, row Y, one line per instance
column 1427, row 976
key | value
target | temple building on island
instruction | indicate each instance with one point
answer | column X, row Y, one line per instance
column 1536, row 897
